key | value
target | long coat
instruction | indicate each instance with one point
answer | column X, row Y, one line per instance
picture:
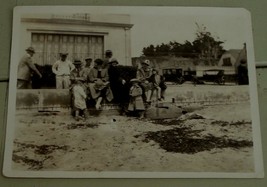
column 136, row 100
column 120, row 91
column 79, row 97
column 93, row 77
column 144, row 75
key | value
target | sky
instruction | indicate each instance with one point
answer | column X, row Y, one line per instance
column 163, row 28
column 161, row 24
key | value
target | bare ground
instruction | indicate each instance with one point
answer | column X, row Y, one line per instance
column 212, row 139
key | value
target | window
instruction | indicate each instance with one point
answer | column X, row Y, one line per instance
column 227, row 62
column 48, row 46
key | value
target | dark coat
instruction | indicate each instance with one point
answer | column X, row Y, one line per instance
column 119, row 90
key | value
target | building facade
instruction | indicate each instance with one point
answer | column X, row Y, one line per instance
column 81, row 35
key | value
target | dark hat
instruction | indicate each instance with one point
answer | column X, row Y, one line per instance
column 98, row 61
column 77, row 62
column 112, row 60
column 30, row 49
column 108, row 51
column 63, row 54
column 88, row 58
column 243, row 61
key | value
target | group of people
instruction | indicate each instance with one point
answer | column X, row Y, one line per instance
column 102, row 81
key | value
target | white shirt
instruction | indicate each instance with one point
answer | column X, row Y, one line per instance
column 62, row 68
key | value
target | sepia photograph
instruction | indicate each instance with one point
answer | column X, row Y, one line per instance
column 132, row 92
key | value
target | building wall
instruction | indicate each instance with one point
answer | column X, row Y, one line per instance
column 115, row 30
column 227, row 55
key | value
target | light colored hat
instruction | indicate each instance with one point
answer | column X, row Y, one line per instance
column 99, row 85
column 113, row 60
column 147, row 62
column 30, row 49
column 134, row 80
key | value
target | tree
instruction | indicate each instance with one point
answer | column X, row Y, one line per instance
column 149, row 51
column 208, row 48
column 205, row 46
column 163, row 50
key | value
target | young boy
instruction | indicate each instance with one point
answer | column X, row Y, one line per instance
column 78, row 91
column 136, row 103
column 79, row 103
column 158, row 83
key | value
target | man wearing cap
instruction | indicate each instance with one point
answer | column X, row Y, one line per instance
column 143, row 74
column 87, row 67
column 62, row 69
column 25, row 68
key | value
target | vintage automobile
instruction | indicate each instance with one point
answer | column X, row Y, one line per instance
column 174, row 75
column 214, row 75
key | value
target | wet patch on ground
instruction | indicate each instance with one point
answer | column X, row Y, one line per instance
column 40, row 149
column 185, row 140
column 225, row 123
column 32, row 163
column 42, row 113
column 39, row 154
column 82, row 125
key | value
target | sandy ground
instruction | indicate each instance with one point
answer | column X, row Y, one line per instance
column 55, row 141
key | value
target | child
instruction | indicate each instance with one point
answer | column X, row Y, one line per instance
column 79, row 101
column 136, row 103
column 158, row 83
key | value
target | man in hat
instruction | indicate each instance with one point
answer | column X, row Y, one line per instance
column 25, row 68
column 117, row 85
column 143, row 74
column 87, row 66
column 78, row 91
column 62, row 69
column 99, row 83
column 77, row 74
column 108, row 56
column 242, row 72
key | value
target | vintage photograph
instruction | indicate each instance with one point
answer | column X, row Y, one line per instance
column 128, row 92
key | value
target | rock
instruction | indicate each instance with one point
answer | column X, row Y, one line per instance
column 163, row 111
column 190, row 116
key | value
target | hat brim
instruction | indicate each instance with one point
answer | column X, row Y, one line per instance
column 114, row 62
column 134, row 80
column 145, row 63
column 63, row 54
column 30, row 50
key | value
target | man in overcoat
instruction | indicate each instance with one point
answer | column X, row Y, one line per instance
column 25, row 69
